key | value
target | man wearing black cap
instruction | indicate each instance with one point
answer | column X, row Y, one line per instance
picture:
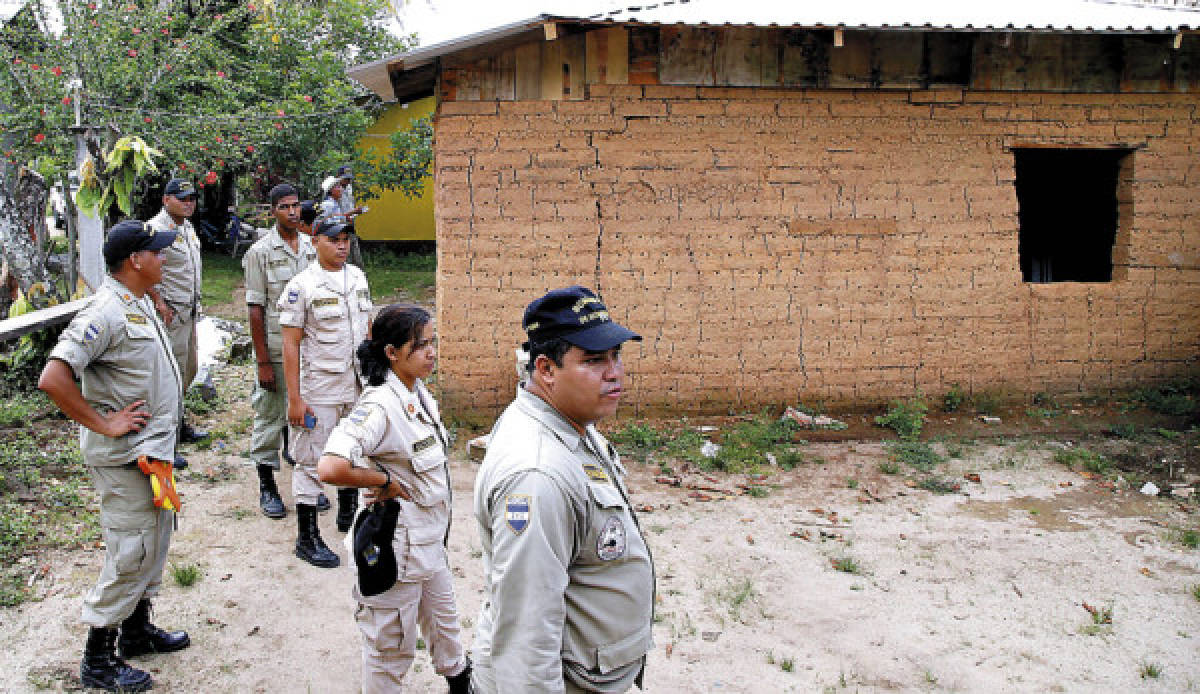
column 324, row 312
column 568, row 578
column 129, row 410
column 177, row 297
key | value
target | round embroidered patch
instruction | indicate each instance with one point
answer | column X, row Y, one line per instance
column 611, row 542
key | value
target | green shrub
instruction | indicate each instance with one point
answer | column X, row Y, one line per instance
column 986, row 402
column 917, row 454
column 905, row 417
column 1088, row 460
column 1176, row 399
column 954, row 398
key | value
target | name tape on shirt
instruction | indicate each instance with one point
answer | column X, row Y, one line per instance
column 135, row 318
column 427, row 442
column 517, row 508
column 596, row 473
column 331, row 301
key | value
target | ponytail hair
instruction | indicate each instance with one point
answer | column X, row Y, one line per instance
column 397, row 325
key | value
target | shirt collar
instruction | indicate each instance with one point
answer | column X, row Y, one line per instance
column 278, row 242
column 408, row 398
column 551, row 418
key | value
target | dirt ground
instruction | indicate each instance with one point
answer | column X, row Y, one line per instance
column 977, row 591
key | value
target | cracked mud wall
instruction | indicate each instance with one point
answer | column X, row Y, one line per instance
column 779, row 246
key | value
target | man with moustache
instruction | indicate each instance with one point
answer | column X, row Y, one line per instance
column 568, row 578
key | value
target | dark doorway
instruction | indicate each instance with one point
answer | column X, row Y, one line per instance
column 1067, row 201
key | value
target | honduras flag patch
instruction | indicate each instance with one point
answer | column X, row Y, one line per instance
column 516, row 512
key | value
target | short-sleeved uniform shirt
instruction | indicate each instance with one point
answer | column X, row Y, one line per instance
column 119, row 349
column 334, row 316
column 268, row 265
column 401, row 430
column 182, row 265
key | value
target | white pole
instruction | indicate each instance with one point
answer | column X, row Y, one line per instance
column 91, row 229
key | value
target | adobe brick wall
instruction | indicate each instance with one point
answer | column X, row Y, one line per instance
column 776, row 246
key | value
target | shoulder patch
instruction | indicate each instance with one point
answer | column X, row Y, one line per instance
column 596, row 473
column 610, row 543
column 293, row 295
column 92, row 331
column 516, row 512
column 427, row 442
column 359, row 414
column 135, row 318
column 330, row 301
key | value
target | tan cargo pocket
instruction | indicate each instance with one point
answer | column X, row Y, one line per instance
column 128, row 548
column 426, row 531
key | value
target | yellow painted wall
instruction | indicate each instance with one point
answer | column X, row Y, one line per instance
column 394, row 216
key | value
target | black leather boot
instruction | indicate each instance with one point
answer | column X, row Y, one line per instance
column 180, row 462
column 461, row 683
column 309, row 545
column 189, row 434
column 268, row 493
column 102, row 669
column 139, row 636
column 347, row 507
column 323, row 503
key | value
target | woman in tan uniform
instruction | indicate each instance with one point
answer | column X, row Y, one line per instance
column 393, row 444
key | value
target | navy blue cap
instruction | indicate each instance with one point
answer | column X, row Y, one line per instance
column 128, row 237
column 577, row 316
column 180, row 188
column 308, row 211
column 333, row 227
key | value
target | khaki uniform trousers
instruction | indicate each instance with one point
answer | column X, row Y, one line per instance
column 390, row 633
column 307, row 446
column 182, row 334
column 136, row 538
column 270, row 420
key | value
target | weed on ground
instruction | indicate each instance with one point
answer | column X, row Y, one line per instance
column 905, row 417
column 916, row 454
column 1084, row 459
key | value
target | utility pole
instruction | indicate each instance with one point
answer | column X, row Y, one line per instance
column 88, row 231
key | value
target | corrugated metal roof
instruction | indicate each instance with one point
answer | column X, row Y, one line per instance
column 1010, row 15
column 1059, row 16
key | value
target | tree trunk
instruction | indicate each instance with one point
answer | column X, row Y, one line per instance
column 22, row 221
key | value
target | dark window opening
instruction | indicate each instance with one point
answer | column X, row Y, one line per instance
column 1067, row 201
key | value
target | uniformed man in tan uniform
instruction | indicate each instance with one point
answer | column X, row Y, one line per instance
column 324, row 312
column 177, row 297
column 129, row 409
column 569, row 581
column 269, row 265
column 394, row 444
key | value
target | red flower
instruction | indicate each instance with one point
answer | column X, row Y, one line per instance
column 278, row 125
column 91, row 5
column 220, row 163
column 219, row 17
column 146, row 119
column 308, row 98
column 132, row 53
column 220, row 139
column 136, row 31
column 66, row 101
column 280, row 112
column 95, row 23
column 221, row 74
column 16, row 61
column 57, row 71
column 237, row 138
column 251, row 8
column 250, row 149
column 42, row 111
column 210, row 177
column 33, row 66
column 39, row 139
column 167, row 67
column 165, row 32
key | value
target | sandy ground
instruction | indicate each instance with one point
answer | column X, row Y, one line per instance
column 980, row 591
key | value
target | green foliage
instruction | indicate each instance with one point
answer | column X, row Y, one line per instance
column 987, row 402
column 640, row 437
column 185, row 575
column 220, row 87
column 905, row 417
column 744, row 447
column 939, row 485
column 21, row 408
column 1188, row 537
column 1090, row 461
column 393, row 277
column 953, row 398
column 916, row 454
column 194, row 402
column 789, row 459
column 889, row 468
column 1177, row 399
column 758, row 491
column 1195, row 591
column 222, row 275
column 1150, row 671
column 846, row 564
column 1124, row 430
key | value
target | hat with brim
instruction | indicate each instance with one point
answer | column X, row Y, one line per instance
column 128, row 237
column 333, row 228
column 577, row 315
column 328, row 184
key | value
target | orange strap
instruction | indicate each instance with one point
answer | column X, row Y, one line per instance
column 162, row 482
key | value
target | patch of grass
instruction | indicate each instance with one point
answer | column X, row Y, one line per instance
column 1195, row 589
column 847, row 565
column 185, row 575
column 735, row 595
column 196, row 403
column 905, row 417
column 1041, row 412
column 939, row 485
column 19, row 409
column 758, row 491
column 744, row 447
column 222, row 274
column 1168, row 434
column 1124, row 430
column 889, row 468
column 641, row 437
column 954, row 398
column 1150, row 671
column 917, row 454
column 1090, row 461
column 851, row 483
column 787, row 665
column 987, row 402
column 789, row 459
column 1102, row 615
column 392, row 275
column 1188, row 537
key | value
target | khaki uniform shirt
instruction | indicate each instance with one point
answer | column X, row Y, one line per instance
column 118, row 348
column 269, row 265
column 569, row 580
column 181, row 271
column 401, row 431
column 334, row 316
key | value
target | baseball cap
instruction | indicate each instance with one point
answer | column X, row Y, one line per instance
column 344, row 172
column 180, row 188
column 128, row 237
column 332, row 227
column 374, row 555
column 328, row 183
column 576, row 315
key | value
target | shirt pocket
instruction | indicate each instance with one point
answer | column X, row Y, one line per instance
column 277, row 277
column 608, row 534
